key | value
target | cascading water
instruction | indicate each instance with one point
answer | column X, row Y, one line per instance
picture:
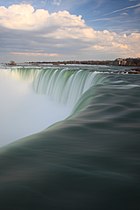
column 62, row 85
column 39, row 98
column 65, row 86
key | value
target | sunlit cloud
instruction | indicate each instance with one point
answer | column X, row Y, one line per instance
column 37, row 34
column 35, row 54
column 22, row 17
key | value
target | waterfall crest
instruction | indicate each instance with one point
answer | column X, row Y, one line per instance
column 62, row 85
column 65, row 86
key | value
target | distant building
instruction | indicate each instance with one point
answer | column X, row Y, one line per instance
column 120, row 62
column 12, row 63
column 127, row 62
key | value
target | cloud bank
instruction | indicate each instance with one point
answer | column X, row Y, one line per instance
column 29, row 34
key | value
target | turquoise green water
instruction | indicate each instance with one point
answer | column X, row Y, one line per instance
column 91, row 159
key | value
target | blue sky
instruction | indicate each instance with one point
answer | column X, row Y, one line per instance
column 69, row 29
column 120, row 15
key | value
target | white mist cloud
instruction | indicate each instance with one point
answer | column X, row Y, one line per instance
column 22, row 112
column 39, row 34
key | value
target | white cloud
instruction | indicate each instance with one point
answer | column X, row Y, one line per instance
column 22, row 17
column 35, row 54
column 123, row 9
column 65, row 19
column 36, row 33
column 57, row 2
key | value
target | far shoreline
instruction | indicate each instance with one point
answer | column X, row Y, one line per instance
column 128, row 62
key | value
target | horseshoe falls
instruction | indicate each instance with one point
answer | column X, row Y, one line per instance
column 23, row 112
column 35, row 99
column 69, row 138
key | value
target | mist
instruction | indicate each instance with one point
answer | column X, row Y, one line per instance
column 24, row 112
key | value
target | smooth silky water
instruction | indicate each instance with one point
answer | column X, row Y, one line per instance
column 84, row 151
column 22, row 111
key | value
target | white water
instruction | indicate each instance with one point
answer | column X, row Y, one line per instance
column 32, row 100
column 22, row 111
column 65, row 86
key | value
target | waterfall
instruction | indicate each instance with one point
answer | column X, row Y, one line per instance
column 65, row 86
column 35, row 98
column 62, row 85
